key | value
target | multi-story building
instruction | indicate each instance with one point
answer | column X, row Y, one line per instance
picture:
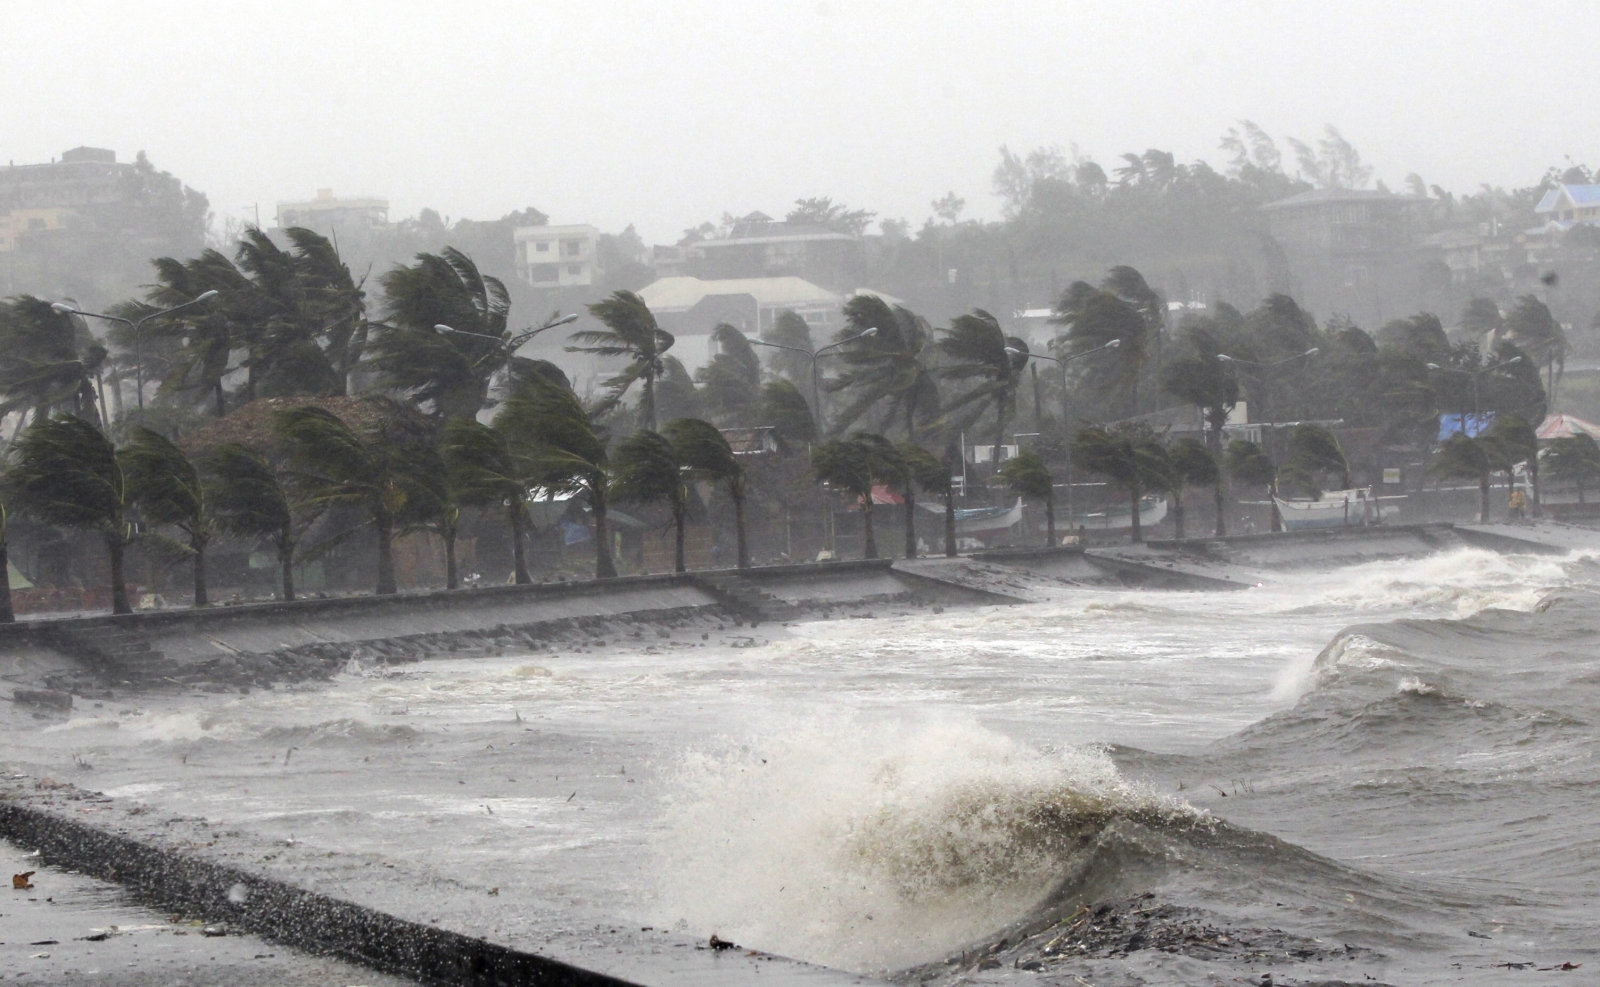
column 1350, row 250
column 329, row 215
column 557, row 256
column 760, row 247
column 1568, row 205
column 40, row 198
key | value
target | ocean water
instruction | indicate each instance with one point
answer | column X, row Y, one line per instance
column 1399, row 756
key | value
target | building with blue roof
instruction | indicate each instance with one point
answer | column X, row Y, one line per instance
column 1568, row 205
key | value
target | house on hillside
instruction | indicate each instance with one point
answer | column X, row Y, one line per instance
column 1565, row 206
column 759, row 246
column 557, row 256
column 1350, row 250
column 331, row 216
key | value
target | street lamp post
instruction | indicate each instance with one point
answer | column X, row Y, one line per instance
column 1065, row 403
column 1225, row 358
column 1474, row 375
column 816, row 388
column 138, row 332
column 509, row 347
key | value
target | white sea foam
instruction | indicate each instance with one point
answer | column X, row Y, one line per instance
column 874, row 846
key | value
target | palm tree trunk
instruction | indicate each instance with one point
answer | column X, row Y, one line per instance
column 869, row 544
column 911, row 522
column 221, row 398
column 1222, row 517
column 1177, row 514
column 737, row 490
column 517, row 514
column 1483, row 497
column 386, row 584
column 119, row 586
column 677, row 539
column 1133, row 512
column 648, row 402
column 1272, row 495
column 286, row 567
column 201, row 598
column 604, row 566
column 452, row 578
column 1050, row 518
column 999, row 433
column 7, row 615
column 950, row 524
column 1533, row 483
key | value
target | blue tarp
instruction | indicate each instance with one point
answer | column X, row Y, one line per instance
column 1472, row 425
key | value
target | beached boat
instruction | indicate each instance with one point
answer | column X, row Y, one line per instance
column 1334, row 509
column 1152, row 510
column 978, row 519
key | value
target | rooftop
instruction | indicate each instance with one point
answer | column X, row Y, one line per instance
column 1323, row 196
column 677, row 294
column 1577, row 195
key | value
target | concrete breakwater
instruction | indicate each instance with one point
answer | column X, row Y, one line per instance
column 254, row 645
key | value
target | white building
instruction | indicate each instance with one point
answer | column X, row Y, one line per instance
column 557, row 256
column 327, row 214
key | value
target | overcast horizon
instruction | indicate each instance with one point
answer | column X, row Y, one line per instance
column 669, row 116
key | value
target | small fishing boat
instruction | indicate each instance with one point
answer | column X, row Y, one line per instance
column 978, row 519
column 1152, row 510
column 1333, row 509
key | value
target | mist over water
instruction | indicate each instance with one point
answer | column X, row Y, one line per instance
column 1406, row 750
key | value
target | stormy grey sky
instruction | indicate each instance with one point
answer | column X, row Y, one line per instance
column 668, row 113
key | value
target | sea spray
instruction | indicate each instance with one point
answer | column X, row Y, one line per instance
column 873, row 845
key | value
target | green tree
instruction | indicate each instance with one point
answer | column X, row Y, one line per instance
column 48, row 361
column 1204, row 381
column 66, row 472
column 676, row 395
column 1093, row 317
column 1536, row 332
column 336, row 464
column 488, row 470
column 434, row 504
column 854, row 466
column 1130, row 457
column 249, row 499
column 547, row 424
column 792, row 332
column 646, row 469
column 1511, row 440
column 706, row 454
column 7, row 614
column 886, row 370
column 1315, row 450
column 168, row 490
column 630, row 331
column 449, row 370
column 1576, row 458
column 1465, row 458
column 1249, row 464
column 1026, row 475
column 786, row 410
column 730, row 385
column 990, row 363
column 1194, row 465
column 923, row 471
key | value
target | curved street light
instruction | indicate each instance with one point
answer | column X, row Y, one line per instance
column 1474, row 375
column 1062, row 363
column 816, row 391
column 138, row 332
column 508, row 347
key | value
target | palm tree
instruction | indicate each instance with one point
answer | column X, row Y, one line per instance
column 1093, row 317
column 856, row 465
column 488, row 469
column 1027, row 476
column 646, row 468
column 630, row 331
column 335, row 464
column 1315, row 450
column 980, row 352
column 168, row 490
column 1129, row 457
column 433, row 505
column 705, row 452
column 924, row 471
column 7, row 614
column 1511, row 440
column 547, row 424
column 1192, row 463
column 793, row 334
column 451, row 370
column 787, row 411
column 730, row 384
column 67, row 473
column 1249, row 464
column 676, row 395
column 1535, row 330
column 249, row 499
column 1463, row 457
column 47, row 360
column 1205, row 382
column 887, row 369
column 1576, row 458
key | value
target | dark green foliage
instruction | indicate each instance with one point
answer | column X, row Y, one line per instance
column 1026, row 475
column 1202, row 380
column 486, row 470
column 1128, row 456
column 790, row 330
column 976, row 354
column 854, row 466
column 449, row 370
column 66, row 472
column 1465, row 458
column 168, row 490
column 646, row 469
column 923, row 471
column 1576, row 459
column 703, row 450
column 248, row 499
column 1194, row 465
column 676, row 395
column 1314, row 450
column 547, row 424
column 630, row 331
column 730, row 385
column 786, row 410
column 1092, row 318
column 887, row 374
column 48, row 360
